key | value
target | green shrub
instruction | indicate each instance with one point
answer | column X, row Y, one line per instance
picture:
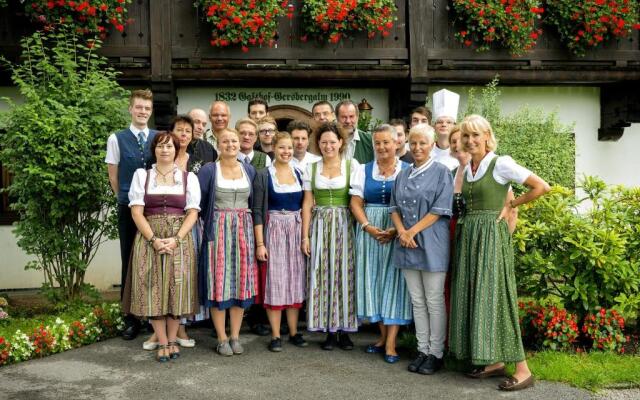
column 535, row 139
column 54, row 145
column 583, row 249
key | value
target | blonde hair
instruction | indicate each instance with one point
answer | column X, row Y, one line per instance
column 267, row 119
column 280, row 136
column 424, row 130
column 477, row 123
column 455, row 129
column 230, row 130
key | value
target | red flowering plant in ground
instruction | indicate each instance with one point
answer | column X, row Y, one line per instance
column 43, row 341
column 77, row 334
column 5, row 348
column 244, row 22
column 512, row 24
column 333, row 20
column 88, row 16
column 605, row 329
column 557, row 329
column 585, row 24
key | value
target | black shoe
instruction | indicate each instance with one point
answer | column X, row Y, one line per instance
column 275, row 345
column 130, row 332
column 414, row 365
column 330, row 342
column 431, row 365
column 260, row 330
column 344, row 342
column 298, row 340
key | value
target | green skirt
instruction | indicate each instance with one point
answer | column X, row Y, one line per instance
column 484, row 326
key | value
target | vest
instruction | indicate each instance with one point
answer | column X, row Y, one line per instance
column 130, row 160
column 259, row 160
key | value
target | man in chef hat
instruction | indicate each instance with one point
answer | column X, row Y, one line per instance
column 445, row 111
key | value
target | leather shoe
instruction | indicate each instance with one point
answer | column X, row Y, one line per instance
column 431, row 365
column 330, row 342
column 482, row 372
column 260, row 330
column 130, row 332
column 415, row 364
column 511, row 384
column 344, row 341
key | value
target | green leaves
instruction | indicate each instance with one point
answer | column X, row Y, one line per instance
column 55, row 146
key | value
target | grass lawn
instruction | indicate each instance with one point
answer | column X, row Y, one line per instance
column 591, row 371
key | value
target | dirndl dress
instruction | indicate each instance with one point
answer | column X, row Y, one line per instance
column 382, row 294
column 484, row 325
column 164, row 284
column 230, row 267
column 331, row 302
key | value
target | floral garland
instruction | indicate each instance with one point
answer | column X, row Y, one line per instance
column 584, row 25
column 244, row 22
column 101, row 323
column 333, row 20
column 510, row 23
column 88, row 16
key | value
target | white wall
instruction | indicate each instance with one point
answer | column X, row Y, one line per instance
column 613, row 161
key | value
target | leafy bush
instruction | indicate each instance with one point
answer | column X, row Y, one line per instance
column 584, row 250
column 54, row 145
column 535, row 139
column 605, row 329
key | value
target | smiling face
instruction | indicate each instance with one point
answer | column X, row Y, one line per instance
column 420, row 146
column 384, row 145
column 475, row 143
column 228, row 144
column 348, row 118
column 283, row 150
column 219, row 116
column 248, row 137
column 140, row 111
column 165, row 151
column 183, row 132
column 329, row 144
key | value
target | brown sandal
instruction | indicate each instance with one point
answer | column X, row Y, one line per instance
column 512, row 384
column 481, row 372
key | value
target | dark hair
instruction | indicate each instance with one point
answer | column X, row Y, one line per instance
column 329, row 127
column 296, row 124
column 423, row 111
column 160, row 138
column 180, row 118
column 144, row 94
column 345, row 103
column 322, row 103
column 398, row 121
column 256, row 101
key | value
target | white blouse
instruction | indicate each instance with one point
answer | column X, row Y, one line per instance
column 443, row 156
column 322, row 182
column 241, row 183
column 284, row 188
column 506, row 170
column 359, row 177
column 137, row 190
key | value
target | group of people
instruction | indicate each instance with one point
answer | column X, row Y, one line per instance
column 404, row 224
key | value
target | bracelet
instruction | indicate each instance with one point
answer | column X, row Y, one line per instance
column 177, row 239
column 511, row 204
column 259, row 244
column 153, row 239
column 364, row 226
column 305, row 239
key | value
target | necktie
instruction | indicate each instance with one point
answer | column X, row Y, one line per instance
column 141, row 143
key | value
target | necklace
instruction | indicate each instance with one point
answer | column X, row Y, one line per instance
column 166, row 173
column 387, row 170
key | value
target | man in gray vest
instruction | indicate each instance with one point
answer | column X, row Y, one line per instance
column 127, row 151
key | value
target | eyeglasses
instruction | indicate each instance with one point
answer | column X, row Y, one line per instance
column 267, row 131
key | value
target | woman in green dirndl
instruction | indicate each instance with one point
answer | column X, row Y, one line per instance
column 484, row 324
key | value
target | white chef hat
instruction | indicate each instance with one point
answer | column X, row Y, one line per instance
column 445, row 104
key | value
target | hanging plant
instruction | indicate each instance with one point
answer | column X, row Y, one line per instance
column 584, row 25
column 87, row 17
column 333, row 20
column 512, row 24
column 244, row 22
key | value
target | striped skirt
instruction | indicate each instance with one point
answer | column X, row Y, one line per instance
column 286, row 264
column 163, row 284
column 382, row 294
column 229, row 261
column 202, row 314
column 331, row 301
column 484, row 326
